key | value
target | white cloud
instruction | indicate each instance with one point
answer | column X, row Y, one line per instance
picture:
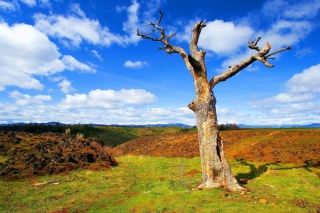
column 73, row 64
column 29, row 53
column 284, row 33
column 89, row 30
column 108, row 99
column 77, row 10
column 307, row 81
column 83, row 29
column 132, row 24
column 30, row 3
column 224, row 37
column 24, row 99
column 308, row 9
column 135, row 65
column 9, row 6
column 220, row 37
column 291, row 107
column 293, row 97
column 10, row 113
column 294, row 108
column 74, row 30
column 294, row 10
column 44, row 3
column 66, row 86
column 97, row 55
column 304, row 52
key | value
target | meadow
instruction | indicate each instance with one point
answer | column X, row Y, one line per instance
column 143, row 183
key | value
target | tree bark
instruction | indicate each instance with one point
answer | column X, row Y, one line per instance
column 216, row 171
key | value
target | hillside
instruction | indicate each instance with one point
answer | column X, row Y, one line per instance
column 298, row 146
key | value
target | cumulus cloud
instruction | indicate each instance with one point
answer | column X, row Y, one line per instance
column 224, row 37
column 24, row 99
column 108, row 99
column 135, row 65
column 66, row 86
column 29, row 53
column 291, row 106
column 302, row 87
column 306, row 81
column 85, row 29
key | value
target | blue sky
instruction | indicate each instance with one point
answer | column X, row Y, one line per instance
column 81, row 61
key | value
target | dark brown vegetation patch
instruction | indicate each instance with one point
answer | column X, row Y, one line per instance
column 25, row 155
column 297, row 146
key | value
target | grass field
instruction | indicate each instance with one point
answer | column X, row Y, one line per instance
column 155, row 184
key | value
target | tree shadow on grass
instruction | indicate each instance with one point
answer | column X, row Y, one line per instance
column 262, row 169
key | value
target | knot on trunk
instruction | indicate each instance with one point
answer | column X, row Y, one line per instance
column 192, row 106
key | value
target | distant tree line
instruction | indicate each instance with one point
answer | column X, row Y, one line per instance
column 111, row 136
column 35, row 128
column 223, row 127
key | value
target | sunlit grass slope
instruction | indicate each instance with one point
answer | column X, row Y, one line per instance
column 151, row 184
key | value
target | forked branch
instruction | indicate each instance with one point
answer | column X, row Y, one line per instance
column 163, row 38
column 261, row 56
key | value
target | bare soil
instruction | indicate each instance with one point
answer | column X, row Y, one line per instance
column 297, row 146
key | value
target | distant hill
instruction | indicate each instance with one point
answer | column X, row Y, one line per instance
column 117, row 125
column 156, row 125
column 180, row 125
column 314, row 125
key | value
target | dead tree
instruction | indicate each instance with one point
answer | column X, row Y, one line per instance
column 215, row 168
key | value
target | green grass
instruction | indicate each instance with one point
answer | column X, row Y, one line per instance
column 150, row 184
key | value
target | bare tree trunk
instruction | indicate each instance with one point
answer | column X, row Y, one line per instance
column 216, row 171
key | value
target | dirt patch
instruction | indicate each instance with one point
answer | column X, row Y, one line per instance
column 300, row 146
column 192, row 172
column 29, row 155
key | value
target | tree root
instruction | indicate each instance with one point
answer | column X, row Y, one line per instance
column 211, row 185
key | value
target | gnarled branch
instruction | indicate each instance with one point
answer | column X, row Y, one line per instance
column 168, row 48
column 261, row 56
